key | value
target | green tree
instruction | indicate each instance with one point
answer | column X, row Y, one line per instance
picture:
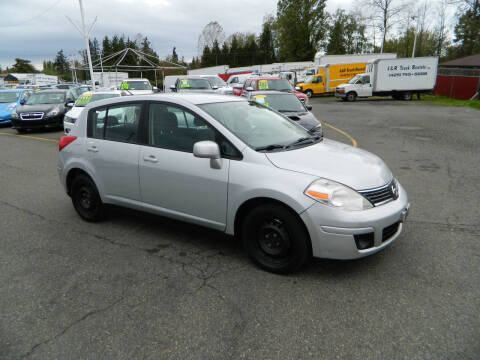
column 467, row 31
column 302, row 27
column 23, row 66
column 346, row 35
column 267, row 40
column 174, row 55
column 216, row 54
column 206, row 57
column 61, row 64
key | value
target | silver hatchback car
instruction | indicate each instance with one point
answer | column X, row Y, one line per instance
column 236, row 166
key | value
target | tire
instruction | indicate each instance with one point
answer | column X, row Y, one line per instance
column 309, row 93
column 86, row 200
column 275, row 239
column 407, row 96
column 396, row 97
column 351, row 96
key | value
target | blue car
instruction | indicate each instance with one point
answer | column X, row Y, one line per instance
column 9, row 101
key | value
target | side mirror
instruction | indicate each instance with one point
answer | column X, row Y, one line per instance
column 173, row 88
column 214, row 87
column 155, row 89
column 249, row 88
column 208, row 150
column 70, row 104
column 309, row 107
column 298, row 88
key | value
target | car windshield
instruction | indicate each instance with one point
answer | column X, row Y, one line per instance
column 139, row 85
column 255, row 124
column 9, row 97
column 280, row 102
column 46, row 98
column 309, row 80
column 214, row 80
column 85, row 99
column 274, row 84
column 354, row 79
column 194, row 84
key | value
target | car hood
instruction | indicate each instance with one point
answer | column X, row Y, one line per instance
column 141, row 92
column 341, row 86
column 39, row 107
column 4, row 106
column 335, row 161
column 304, row 118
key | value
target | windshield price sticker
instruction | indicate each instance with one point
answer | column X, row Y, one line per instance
column 262, row 85
column 184, row 83
column 84, row 99
column 261, row 99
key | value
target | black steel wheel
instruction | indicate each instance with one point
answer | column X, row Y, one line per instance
column 86, row 200
column 275, row 238
column 309, row 93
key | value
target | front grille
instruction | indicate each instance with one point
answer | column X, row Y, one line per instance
column 389, row 231
column 32, row 116
column 382, row 194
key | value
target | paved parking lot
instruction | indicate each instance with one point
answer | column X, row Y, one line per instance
column 138, row 286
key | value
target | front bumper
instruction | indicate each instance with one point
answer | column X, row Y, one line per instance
column 332, row 230
column 46, row 122
column 5, row 119
column 342, row 95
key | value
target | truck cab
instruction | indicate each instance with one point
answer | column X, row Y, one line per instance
column 359, row 86
column 314, row 84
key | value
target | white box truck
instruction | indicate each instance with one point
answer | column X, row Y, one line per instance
column 399, row 78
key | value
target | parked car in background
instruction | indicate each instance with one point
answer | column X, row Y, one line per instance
column 43, row 109
column 235, row 166
column 83, row 89
column 290, row 106
column 192, row 83
column 222, row 87
column 138, row 86
column 84, row 99
column 10, row 100
column 236, row 80
column 267, row 84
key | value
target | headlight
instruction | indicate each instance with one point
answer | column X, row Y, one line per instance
column 53, row 112
column 331, row 193
column 11, row 107
column 14, row 114
column 317, row 130
column 69, row 119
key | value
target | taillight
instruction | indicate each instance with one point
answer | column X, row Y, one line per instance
column 64, row 141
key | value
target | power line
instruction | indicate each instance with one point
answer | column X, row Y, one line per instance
column 34, row 17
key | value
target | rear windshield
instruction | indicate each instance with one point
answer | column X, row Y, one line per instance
column 274, row 84
column 9, row 97
column 46, row 98
column 215, row 80
column 88, row 98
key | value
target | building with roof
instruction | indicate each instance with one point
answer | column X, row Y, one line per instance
column 30, row 79
column 459, row 78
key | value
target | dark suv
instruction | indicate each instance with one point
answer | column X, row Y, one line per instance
column 42, row 110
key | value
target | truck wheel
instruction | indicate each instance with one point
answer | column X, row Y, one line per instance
column 407, row 96
column 395, row 97
column 309, row 93
column 351, row 96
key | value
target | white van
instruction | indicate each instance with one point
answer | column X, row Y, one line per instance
column 169, row 81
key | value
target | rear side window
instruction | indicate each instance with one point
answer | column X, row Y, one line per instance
column 117, row 123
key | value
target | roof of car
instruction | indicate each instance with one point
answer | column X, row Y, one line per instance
column 13, row 90
column 192, row 98
column 56, row 91
column 270, row 92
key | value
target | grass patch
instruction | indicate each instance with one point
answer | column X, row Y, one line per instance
column 446, row 101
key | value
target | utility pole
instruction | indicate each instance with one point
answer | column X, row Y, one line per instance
column 87, row 44
column 415, row 41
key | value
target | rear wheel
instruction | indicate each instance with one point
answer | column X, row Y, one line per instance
column 407, row 96
column 351, row 96
column 309, row 93
column 275, row 238
column 86, row 200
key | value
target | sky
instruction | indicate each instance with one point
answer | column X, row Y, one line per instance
column 37, row 29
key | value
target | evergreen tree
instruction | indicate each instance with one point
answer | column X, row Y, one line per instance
column 266, row 41
column 174, row 55
column 106, row 47
column 302, row 27
column 467, row 31
column 215, row 53
column 61, row 64
column 206, row 57
column 23, row 66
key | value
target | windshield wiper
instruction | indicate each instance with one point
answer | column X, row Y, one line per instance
column 304, row 140
column 270, row 147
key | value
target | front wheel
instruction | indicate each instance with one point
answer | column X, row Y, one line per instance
column 21, row 131
column 86, row 200
column 275, row 239
column 351, row 96
column 407, row 96
column 309, row 93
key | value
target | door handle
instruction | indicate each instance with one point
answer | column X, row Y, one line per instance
column 150, row 158
column 93, row 148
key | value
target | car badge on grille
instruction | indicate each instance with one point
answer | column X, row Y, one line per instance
column 394, row 190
